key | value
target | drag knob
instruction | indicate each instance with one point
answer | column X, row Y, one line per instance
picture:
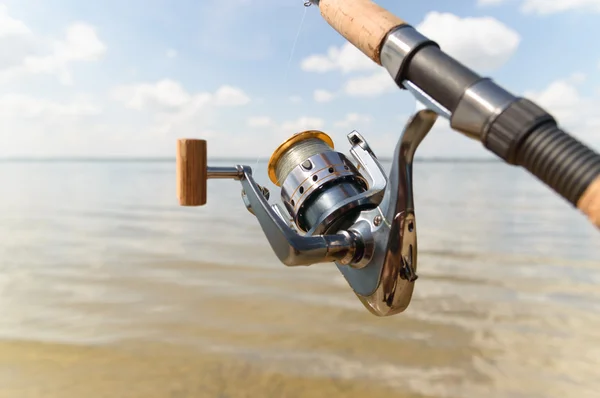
column 191, row 172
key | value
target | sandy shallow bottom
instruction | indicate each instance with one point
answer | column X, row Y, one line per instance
column 51, row 370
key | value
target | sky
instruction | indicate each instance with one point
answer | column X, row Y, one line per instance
column 128, row 78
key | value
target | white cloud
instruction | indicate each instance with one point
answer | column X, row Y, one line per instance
column 18, row 106
column 230, row 96
column 370, row 86
column 286, row 127
column 490, row 2
column 186, row 120
column 556, row 6
column 270, row 133
column 42, row 56
column 301, row 124
column 168, row 94
column 547, row 7
column 10, row 26
column 577, row 78
column 353, row 119
column 260, row 121
column 174, row 108
column 16, row 41
column 577, row 113
column 35, row 126
column 481, row 43
column 165, row 94
column 561, row 98
column 323, row 96
column 346, row 59
column 171, row 53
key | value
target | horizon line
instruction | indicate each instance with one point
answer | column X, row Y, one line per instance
column 163, row 159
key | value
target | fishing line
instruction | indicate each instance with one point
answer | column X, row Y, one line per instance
column 289, row 62
column 287, row 69
column 303, row 150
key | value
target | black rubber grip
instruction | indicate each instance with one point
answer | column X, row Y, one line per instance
column 563, row 163
column 440, row 76
column 526, row 135
column 511, row 127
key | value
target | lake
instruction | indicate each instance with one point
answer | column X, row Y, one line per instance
column 108, row 288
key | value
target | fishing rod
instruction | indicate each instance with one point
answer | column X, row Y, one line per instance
column 351, row 213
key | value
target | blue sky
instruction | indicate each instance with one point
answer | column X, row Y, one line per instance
column 127, row 78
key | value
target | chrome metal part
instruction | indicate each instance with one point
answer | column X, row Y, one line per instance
column 315, row 191
column 385, row 284
column 265, row 193
column 372, row 173
column 397, row 49
column 426, row 100
column 291, row 248
column 377, row 220
column 234, row 173
column 480, row 104
column 441, row 83
column 281, row 213
column 321, row 189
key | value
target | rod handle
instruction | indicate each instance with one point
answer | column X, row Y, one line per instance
column 362, row 22
column 191, row 172
column 589, row 203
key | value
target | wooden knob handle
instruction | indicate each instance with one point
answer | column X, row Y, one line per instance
column 191, row 172
column 362, row 22
column 589, row 203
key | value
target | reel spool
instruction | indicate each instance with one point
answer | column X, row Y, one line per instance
column 320, row 187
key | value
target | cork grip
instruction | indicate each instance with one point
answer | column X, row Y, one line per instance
column 589, row 203
column 191, row 172
column 362, row 22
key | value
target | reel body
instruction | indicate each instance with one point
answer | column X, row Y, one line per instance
column 338, row 211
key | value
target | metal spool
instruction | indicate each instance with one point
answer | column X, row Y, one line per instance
column 318, row 184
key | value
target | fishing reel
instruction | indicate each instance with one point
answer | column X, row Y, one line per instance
column 334, row 210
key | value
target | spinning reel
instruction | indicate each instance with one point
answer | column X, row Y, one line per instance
column 333, row 210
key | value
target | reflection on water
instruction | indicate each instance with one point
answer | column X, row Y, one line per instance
column 106, row 280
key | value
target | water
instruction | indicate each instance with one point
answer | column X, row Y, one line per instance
column 109, row 288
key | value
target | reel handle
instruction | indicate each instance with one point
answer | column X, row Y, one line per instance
column 362, row 22
column 191, row 172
